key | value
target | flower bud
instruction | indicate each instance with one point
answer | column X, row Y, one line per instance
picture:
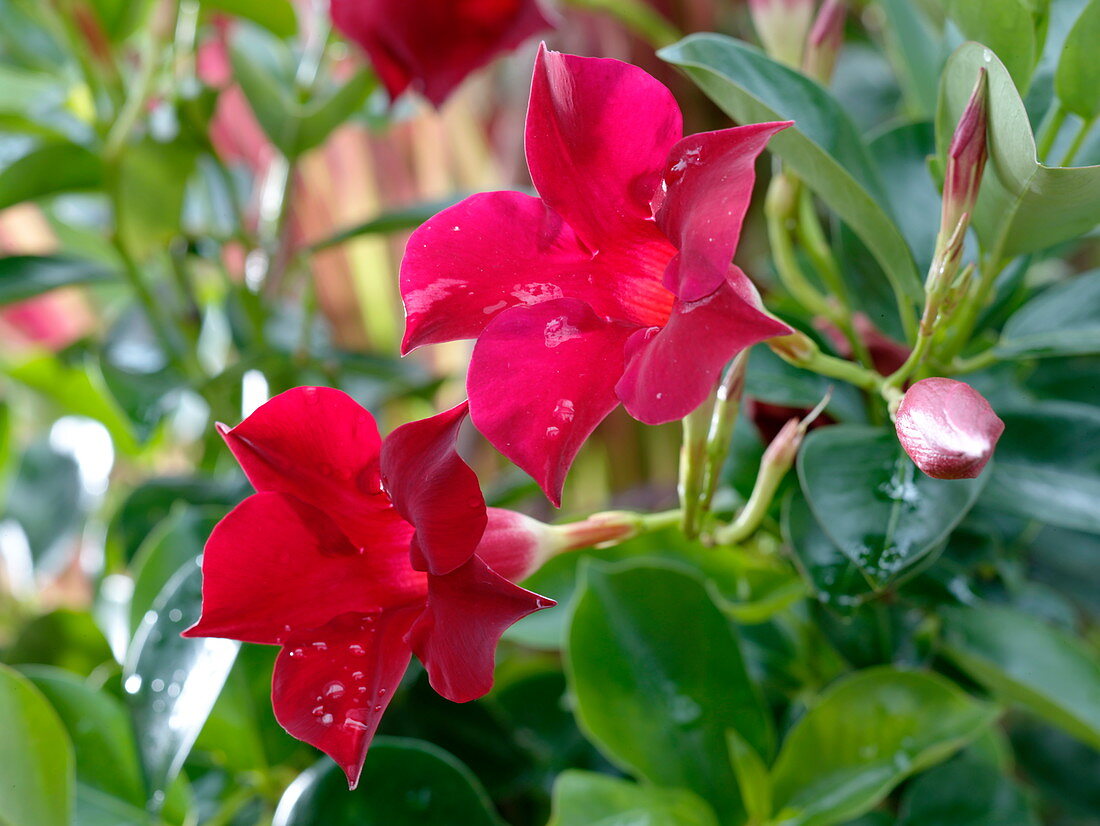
column 947, row 428
column 966, row 159
column 825, row 41
column 782, row 26
column 796, row 348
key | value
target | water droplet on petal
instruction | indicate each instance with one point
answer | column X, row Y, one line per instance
column 335, row 690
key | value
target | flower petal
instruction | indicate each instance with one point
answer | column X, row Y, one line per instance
column 332, row 684
column 319, row 445
column 541, row 378
column 947, row 428
column 670, row 372
column 708, row 182
column 598, row 132
column 432, row 45
column 435, row 490
column 276, row 564
column 457, row 635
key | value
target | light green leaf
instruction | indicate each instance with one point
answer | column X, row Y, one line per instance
column 1062, row 321
column 752, row 778
column 152, row 182
column 36, row 757
column 277, row 16
column 659, row 679
column 1077, row 79
column 589, row 799
column 822, row 148
column 1023, row 206
column 49, row 170
column 1028, row 663
column 1006, row 26
column 321, row 117
column 865, row 735
column 25, row 276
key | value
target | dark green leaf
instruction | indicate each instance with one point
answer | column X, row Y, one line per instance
column 1062, row 321
column 1077, row 81
column 1047, row 465
column 172, row 682
column 1029, row 663
column 772, row 380
column 659, row 678
column 25, row 276
column 321, row 117
column 589, row 799
column 917, row 51
column 1063, row 768
column 864, row 736
column 967, row 790
column 1023, row 206
column 46, row 499
column 49, row 170
column 752, row 778
column 1006, row 26
column 36, row 757
column 277, row 16
column 870, row 499
column 94, row 808
column 403, row 782
column 65, row 638
column 822, row 148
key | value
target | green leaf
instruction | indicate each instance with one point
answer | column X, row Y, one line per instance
column 25, row 276
column 321, row 117
column 94, row 808
column 171, row 682
column 865, row 735
column 277, row 16
column 36, row 757
column 49, row 170
column 120, row 18
column 152, row 182
column 659, row 678
column 874, row 504
column 1077, row 79
column 106, row 757
column 969, row 790
column 64, row 638
column 1028, row 663
column 916, row 50
column 588, row 799
column 404, row 783
column 1023, row 206
column 393, row 221
column 822, row 148
column 1063, row 768
column 46, row 498
column 1047, row 465
column 1061, row 321
column 752, row 778
column 1006, row 26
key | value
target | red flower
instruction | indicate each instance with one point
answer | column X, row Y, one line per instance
column 615, row 285
column 318, row 562
column 947, row 428
column 431, row 45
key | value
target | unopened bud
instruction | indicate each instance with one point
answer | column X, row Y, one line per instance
column 514, row 545
column 966, row 159
column 796, row 348
column 825, row 41
column 947, row 428
column 781, row 452
column 782, row 26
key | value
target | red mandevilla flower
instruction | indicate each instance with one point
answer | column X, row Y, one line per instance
column 947, row 428
column 614, row 285
column 431, row 45
column 318, row 561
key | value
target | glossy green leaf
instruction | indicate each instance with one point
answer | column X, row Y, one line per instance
column 1077, row 80
column 49, row 170
column 865, row 735
column 94, row 808
column 1023, row 206
column 590, row 799
column 65, row 638
column 36, row 757
column 25, row 276
column 46, row 499
column 1062, row 321
column 318, row 119
column 822, row 148
column 1047, row 465
column 659, row 678
column 1006, row 26
column 106, row 757
column 1029, row 663
column 752, row 778
column 1064, row 769
column 171, row 682
column 969, row 790
column 277, row 16
column 403, row 782
column 884, row 514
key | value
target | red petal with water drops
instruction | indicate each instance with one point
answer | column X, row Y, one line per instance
column 457, row 635
column 541, row 378
column 947, row 428
column 708, row 181
column 319, row 445
column 332, row 684
column 670, row 372
column 277, row 565
column 598, row 133
column 435, row 490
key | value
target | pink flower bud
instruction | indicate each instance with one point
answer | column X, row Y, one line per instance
column 825, row 42
column 782, row 26
column 514, row 545
column 966, row 158
column 947, row 428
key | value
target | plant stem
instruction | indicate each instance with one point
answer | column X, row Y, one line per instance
column 972, row 307
column 1048, row 132
column 727, row 405
column 1078, row 141
column 693, row 451
column 826, row 365
column 779, row 208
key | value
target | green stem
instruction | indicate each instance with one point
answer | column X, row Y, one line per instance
column 972, row 306
column 1078, row 141
column 693, row 449
column 979, row 362
column 831, row 366
column 779, row 212
column 637, row 17
column 727, row 405
column 1048, row 132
